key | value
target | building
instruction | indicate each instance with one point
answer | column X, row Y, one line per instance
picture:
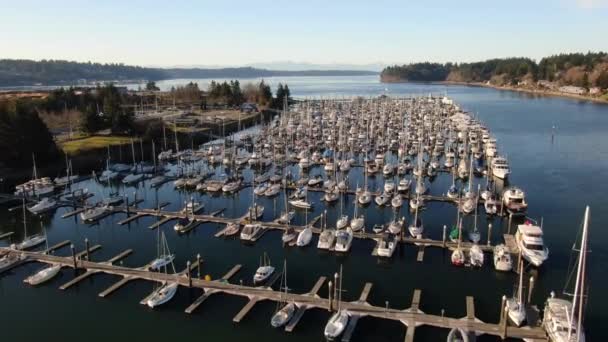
column 572, row 90
column 249, row 107
column 595, row 91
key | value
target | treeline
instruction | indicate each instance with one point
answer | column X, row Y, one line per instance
column 58, row 72
column 231, row 94
column 22, row 133
column 585, row 70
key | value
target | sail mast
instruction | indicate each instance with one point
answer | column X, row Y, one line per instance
column 580, row 280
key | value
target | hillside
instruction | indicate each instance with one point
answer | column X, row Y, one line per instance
column 586, row 71
column 57, row 72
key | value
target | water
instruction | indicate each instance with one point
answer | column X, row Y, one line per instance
column 560, row 175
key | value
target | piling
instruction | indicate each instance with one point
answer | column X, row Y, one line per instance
column 530, row 288
column 189, row 273
column 503, row 317
column 73, row 255
column 329, row 296
column 86, row 246
column 445, row 229
column 198, row 265
column 489, row 233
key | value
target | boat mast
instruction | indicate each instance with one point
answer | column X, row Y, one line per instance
column 24, row 221
column 580, row 280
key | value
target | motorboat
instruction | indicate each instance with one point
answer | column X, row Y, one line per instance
column 344, row 240
column 514, row 199
column 529, row 238
column 502, row 258
column 326, row 239
column 302, row 204
column 231, row 186
column 43, row 275
column 378, row 228
column 264, row 271
column 404, row 185
column 250, row 231
column 386, row 246
column 500, row 167
column 458, row 257
column 162, row 295
column 490, row 205
column 304, row 237
column 389, row 186
column 182, row 225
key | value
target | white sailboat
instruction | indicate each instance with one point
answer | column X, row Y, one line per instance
column 284, row 314
column 338, row 321
column 563, row 318
column 164, row 256
column 165, row 292
column 28, row 241
column 516, row 309
column 43, row 275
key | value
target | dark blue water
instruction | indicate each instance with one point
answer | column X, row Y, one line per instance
column 560, row 176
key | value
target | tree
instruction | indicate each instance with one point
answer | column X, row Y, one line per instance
column 585, row 81
column 151, row 86
column 91, row 120
column 602, row 80
column 264, row 94
column 23, row 133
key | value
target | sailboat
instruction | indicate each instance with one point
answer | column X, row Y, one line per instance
column 515, row 305
column 338, row 321
column 304, row 237
column 563, row 318
column 45, row 274
column 28, row 241
column 283, row 315
column 45, row 204
column 417, row 227
column 474, row 235
column 458, row 257
column 164, row 256
column 165, row 292
column 358, row 221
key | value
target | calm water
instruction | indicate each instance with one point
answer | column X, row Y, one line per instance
column 560, row 177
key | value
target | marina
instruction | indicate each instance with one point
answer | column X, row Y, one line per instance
column 413, row 135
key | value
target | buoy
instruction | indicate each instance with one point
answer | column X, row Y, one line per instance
column 207, row 277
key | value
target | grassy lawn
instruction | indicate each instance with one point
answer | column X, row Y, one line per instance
column 93, row 142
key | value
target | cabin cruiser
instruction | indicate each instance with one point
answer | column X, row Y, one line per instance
column 263, row 273
column 344, row 239
column 500, row 167
column 183, row 224
column 529, row 239
column 232, row 228
column 387, row 245
column 514, row 199
column 326, row 239
column 162, row 295
column 250, row 231
column 502, row 258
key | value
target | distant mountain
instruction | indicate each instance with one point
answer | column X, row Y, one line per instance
column 302, row 66
column 58, row 72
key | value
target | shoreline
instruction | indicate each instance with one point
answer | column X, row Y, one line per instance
column 529, row 91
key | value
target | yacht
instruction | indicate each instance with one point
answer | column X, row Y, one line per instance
column 344, row 239
column 232, row 228
column 250, row 231
column 162, row 295
column 326, row 239
column 387, row 245
column 43, row 275
column 529, row 239
column 183, row 224
column 304, row 237
column 500, row 167
column 514, row 199
column 502, row 258
column 264, row 271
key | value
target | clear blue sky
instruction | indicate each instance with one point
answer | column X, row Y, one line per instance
column 238, row 32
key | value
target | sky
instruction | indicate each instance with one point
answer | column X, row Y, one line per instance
column 244, row 32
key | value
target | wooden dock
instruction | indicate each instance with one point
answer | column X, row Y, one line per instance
column 411, row 318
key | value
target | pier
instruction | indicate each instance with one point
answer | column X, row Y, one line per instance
column 411, row 317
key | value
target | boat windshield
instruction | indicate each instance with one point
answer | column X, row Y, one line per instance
column 534, row 247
